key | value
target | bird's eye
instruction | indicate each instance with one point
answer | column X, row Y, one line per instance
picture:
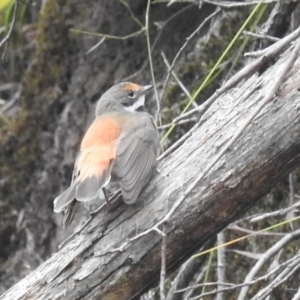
column 131, row 94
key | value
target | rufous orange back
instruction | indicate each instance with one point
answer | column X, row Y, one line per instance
column 98, row 147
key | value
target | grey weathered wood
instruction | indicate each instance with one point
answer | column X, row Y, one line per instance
column 268, row 149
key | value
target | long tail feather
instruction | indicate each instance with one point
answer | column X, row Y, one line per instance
column 64, row 199
column 69, row 213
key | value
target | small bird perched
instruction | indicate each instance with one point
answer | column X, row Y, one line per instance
column 120, row 146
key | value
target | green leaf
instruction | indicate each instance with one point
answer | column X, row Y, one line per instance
column 8, row 14
column 4, row 4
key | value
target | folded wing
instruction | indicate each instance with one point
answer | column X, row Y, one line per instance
column 136, row 152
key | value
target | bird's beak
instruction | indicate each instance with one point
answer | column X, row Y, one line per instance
column 146, row 88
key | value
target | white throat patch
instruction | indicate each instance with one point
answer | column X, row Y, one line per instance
column 137, row 104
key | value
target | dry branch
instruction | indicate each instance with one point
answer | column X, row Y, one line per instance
column 268, row 149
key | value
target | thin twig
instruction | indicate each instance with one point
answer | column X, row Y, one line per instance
column 297, row 295
column 181, row 85
column 157, row 39
column 256, row 233
column 199, row 278
column 245, row 72
column 136, row 20
column 166, row 126
column 96, row 46
column 294, row 264
column 163, row 266
column 291, row 213
column 188, row 39
column 292, row 189
column 190, row 270
column 232, row 286
column 109, row 36
column 280, row 212
column 216, row 65
column 281, row 278
column 232, row 4
column 151, row 63
column 195, row 286
column 221, row 263
column 266, row 256
column 280, row 44
column 261, row 36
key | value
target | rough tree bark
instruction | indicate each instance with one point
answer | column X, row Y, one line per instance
column 87, row 268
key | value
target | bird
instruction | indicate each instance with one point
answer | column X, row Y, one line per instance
column 120, row 146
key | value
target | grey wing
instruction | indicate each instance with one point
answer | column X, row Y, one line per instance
column 136, row 153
